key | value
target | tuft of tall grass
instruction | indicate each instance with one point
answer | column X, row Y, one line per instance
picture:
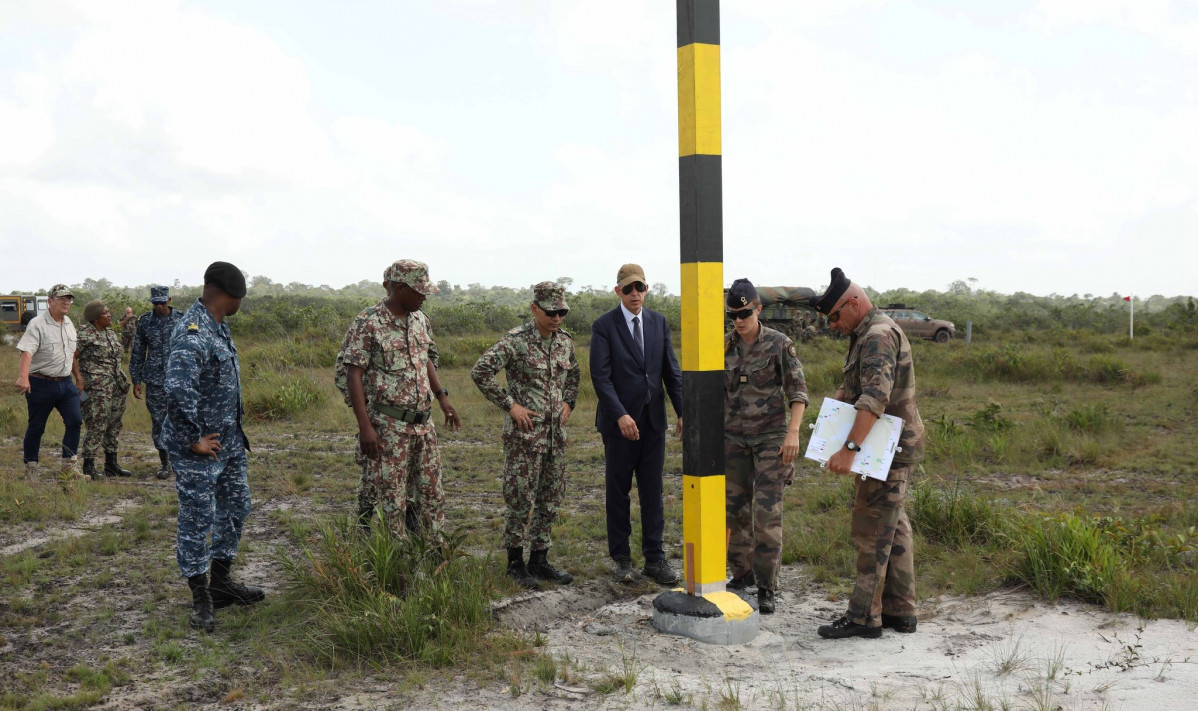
column 377, row 597
column 1068, row 555
column 954, row 518
column 281, row 397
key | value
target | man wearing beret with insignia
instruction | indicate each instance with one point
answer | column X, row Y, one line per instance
column 542, row 387
column 102, row 379
column 207, row 445
column 879, row 378
column 633, row 369
column 763, row 381
column 387, row 370
column 147, row 364
column 44, row 376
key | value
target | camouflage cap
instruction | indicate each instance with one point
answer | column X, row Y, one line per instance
column 549, row 295
column 93, row 310
column 60, row 290
column 630, row 273
column 412, row 273
column 836, row 287
column 160, row 294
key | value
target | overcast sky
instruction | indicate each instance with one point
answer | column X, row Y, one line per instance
column 1047, row 146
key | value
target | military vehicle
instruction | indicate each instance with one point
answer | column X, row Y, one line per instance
column 918, row 324
column 16, row 310
column 787, row 309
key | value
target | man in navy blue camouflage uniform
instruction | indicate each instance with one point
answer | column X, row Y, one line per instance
column 207, row 445
column 147, row 364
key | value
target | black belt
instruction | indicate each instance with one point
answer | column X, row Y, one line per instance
column 57, row 379
column 415, row 418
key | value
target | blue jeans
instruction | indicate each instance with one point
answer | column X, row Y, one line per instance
column 44, row 396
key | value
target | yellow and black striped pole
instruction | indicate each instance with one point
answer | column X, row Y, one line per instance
column 705, row 611
column 702, row 256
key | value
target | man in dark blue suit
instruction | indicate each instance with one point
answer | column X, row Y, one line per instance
column 633, row 368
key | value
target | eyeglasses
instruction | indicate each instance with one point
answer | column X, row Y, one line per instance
column 554, row 313
column 835, row 315
column 638, row 285
column 740, row 315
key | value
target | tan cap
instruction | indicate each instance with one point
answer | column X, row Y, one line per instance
column 60, row 290
column 630, row 273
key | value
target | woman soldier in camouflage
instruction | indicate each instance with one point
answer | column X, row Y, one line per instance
column 103, row 381
column 764, row 379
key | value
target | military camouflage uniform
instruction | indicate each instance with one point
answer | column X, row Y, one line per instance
column 147, row 364
column 394, row 354
column 542, row 373
column 879, row 376
column 104, row 380
column 128, row 330
column 203, row 396
column 762, row 380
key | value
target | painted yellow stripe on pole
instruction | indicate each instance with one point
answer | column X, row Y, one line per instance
column 703, row 502
column 703, row 316
column 699, row 100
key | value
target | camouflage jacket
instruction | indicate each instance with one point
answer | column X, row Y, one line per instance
column 151, row 344
column 394, row 353
column 203, row 386
column 99, row 354
column 761, row 381
column 879, row 376
column 541, row 375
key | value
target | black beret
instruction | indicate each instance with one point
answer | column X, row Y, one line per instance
column 836, row 289
column 225, row 277
column 741, row 294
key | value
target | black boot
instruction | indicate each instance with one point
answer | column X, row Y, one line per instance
column 765, row 601
column 539, row 567
column 225, row 592
column 201, row 603
column 89, row 469
column 164, row 468
column 111, row 468
column 516, row 570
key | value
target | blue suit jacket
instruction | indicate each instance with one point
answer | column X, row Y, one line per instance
column 625, row 382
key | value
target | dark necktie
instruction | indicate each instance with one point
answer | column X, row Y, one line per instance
column 636, row 334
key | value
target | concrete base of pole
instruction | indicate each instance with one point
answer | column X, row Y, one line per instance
column 728, row 617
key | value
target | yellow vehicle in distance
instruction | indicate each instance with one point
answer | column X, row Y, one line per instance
column 16, row 310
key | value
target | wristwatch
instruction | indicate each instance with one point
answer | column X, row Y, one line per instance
column 852, row 446
column 443, row 391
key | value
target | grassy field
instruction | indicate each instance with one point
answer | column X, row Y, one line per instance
column 1066, row 462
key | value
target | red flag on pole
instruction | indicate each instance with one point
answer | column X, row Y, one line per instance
column 1127, row 298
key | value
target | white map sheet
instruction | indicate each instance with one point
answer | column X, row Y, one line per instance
column 832, row 428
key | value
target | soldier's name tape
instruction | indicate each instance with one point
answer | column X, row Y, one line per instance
column 398, row 413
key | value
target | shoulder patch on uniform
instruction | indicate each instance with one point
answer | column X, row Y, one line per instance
column 793, row 352
column 193, row 327
column 516, row 330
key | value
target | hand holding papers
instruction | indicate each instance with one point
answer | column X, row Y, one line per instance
column 832, row 428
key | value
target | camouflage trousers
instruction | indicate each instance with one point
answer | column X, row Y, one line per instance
column 156, row 404
column 533, row 485
column 754, row 477
column 404, row 483
column 103, row 415
column 214, row 498
column 885, row 554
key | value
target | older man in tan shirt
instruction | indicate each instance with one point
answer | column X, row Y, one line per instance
column 44, row 376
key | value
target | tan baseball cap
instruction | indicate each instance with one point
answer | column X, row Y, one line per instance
column 630, row 273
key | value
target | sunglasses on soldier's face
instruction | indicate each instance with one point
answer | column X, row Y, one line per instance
column 740, row 315
column 555, row 313
column 638, row 285
column 835, row 315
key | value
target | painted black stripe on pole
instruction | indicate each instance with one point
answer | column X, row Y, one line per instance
column 698, row 21
column 703, row 413
column 702, row 214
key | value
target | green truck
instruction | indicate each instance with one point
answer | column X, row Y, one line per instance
column 787, row 309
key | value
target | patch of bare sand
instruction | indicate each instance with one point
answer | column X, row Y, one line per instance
column 1009, row 647
column 27, row 537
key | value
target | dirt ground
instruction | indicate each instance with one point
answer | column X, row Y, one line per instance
column 1004, row 650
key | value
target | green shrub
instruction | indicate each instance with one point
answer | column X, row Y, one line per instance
column 374, row 596
column 281, row 397
column 12, row 421
column 953, row 517
column 1095, row 418
column 1067, row 555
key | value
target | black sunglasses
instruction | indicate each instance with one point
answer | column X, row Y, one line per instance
column 638, row 285
column 835, row 315
column 742, row 314
column 554, row 313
